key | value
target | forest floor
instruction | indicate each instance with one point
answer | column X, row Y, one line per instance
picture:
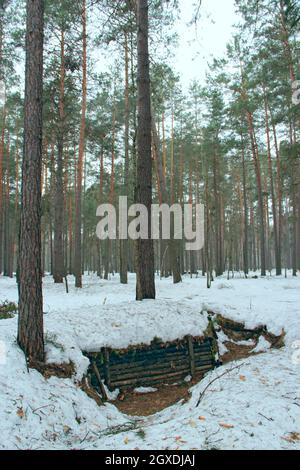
column 255, row 406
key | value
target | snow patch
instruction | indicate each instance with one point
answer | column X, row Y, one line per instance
column 145, row 390
column 262, row 346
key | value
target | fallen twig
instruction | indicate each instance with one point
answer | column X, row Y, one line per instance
column 269, row 419
column 85, row 437
column 227, row 371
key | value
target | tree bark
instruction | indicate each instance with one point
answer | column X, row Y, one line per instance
column 78, row 197
column 246, row 212
column 59, row 271
column 124, row 243
column 164, row 199
column 255, row 155
column 273, row 197
column 30, row 326
column 145, row 288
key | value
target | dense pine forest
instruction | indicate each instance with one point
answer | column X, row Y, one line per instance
column 92, row 108
column 231, row 144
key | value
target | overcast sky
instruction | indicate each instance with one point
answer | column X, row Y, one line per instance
column 197, row 47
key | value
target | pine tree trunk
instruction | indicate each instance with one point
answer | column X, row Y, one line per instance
column 30, row 326
column 7, row 218
column 124, row 243
column 59, row 271
column 260, row 193
column 279, row 196
column 16, row 206
column 2, row 142
column 99, row 243
column 245, row 203
column 168, row 248
column 273, row 197
column 145, row 288
column 78, row 197
column 2, row 6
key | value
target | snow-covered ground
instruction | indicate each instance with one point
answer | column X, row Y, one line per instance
column 254, row 407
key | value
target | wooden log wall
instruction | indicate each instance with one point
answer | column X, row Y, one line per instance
column 151, row 365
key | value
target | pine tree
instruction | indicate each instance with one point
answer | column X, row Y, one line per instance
column 145, row 288
column 30, row 327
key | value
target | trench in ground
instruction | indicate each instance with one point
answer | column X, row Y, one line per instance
column 170, row 390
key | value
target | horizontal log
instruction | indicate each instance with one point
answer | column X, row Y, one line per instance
column 149, row 372
column 147, row 364
column 151, row 359
column 206, row 347
column 204, row 367
column 169, row 365
column 144, row 371
column 203, row 353
column 210, row 365
column 157, row 347
column 164, row 368
column 148, row 380
column 201, row 359
column 204, row 360
column 204, row 357
column 161, row 373
column 146, row 354
column 160, row 367
column 149, row 349
column 156, row 380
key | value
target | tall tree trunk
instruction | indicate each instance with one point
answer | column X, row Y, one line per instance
column 2, row 143
column 279, row 192
column 16, row 206
column 217, row 205
column 207, row 229
column 191, row 254
column 2, row 11
column 99, row 243
column 59, row 271
column 78, row 197
column 256, row 161
column 8, row 243
column 109, row 245
column 255, row 155
column 124, row 243
column 30, row 325
column 245, row 203
column 273, row 197
column 145, row 287
column 170, row 246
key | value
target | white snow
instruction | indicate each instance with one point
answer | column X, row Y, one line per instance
column 249, row 342
column 254, row 407
column 262, row 346
column 145, row 390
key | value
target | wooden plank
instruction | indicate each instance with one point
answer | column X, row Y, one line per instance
column 149, row 372
column 204, row 368
column 164, row 368
column 202, row 353
column 146, row 356
column 148, row 380
column 145, row 365
column 156, row 380
column 192, row 356
column 204, row 347
column 107, row 371
column 98, row 377
column 150, row 359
